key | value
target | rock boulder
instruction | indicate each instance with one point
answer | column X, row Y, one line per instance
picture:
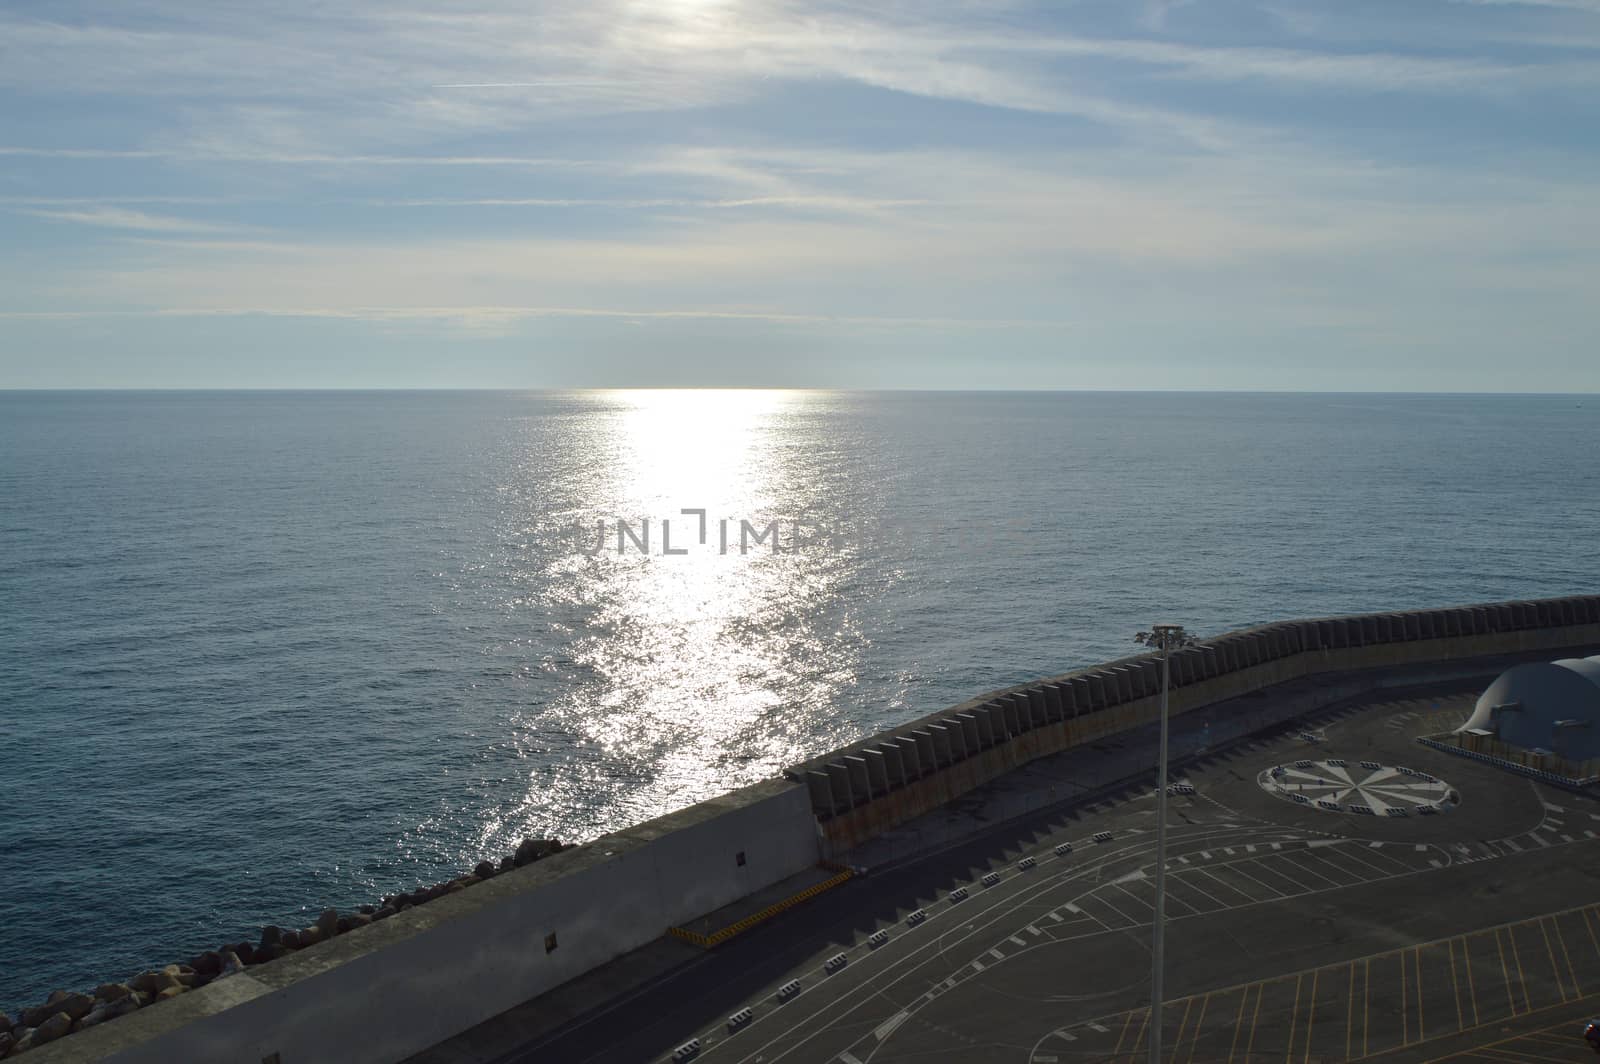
column 328, row 923
column 53, row 1028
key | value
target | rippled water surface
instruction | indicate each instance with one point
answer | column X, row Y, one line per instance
column 265, row 652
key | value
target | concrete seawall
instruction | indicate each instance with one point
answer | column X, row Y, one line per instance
column 870, row 787
column 388, row 990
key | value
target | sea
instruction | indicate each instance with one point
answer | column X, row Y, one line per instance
column 267, row 652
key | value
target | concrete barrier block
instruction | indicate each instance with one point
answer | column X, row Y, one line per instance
column 958, row 895
column 991, row 879
column 893, row 765
column 688, row 1051
column 1026, row 863
column 1056, row 706
column 877, row 771
column 878, row 938
column 740, row 1020
column 1103, row 836
column 1097, row 691
column 860, row 781
column 835, row 963
column 927, row 756
column 839, row 783
column 916, row 917
column 1082, row 696
column 820, row 793
column 1063, row 849
column 944, row 744
column 788, row 991
column 968, row 723
column 910, row 757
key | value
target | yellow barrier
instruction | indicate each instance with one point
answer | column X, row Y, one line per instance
column 718, row 937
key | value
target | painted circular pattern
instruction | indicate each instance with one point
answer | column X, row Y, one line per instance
column 1362, row 788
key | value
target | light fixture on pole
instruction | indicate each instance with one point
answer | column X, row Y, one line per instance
column 1166, row 638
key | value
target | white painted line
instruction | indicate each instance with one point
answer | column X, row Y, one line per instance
column 1057, row 917
column 886, row 1028
column 1422, row 848
column 1034, row 930
column 1513, row 844
column 1045, row 1058
column 977, row 966
column 1566, row 838
column 1182, row 859
column 1277, row 846
column 1556, row 808
column 1588, row 834
column 997, row 955
column 1065, row 1037
column 1206, row 854
column 1435, row 862
column 1071, row 908
column 1017, row 940
column 1202, row 893
column 1228, row 850
column 1376, row 845
column 1552, row 822
column 1101, row 1029
column 1250, row 848
column 848, row 1057
column 1317, row 844
column 1540, row 839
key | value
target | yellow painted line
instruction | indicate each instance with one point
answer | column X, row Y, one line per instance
column 1133, row 1050
column 1255, row 1018
column 1194, row 1040
column 1350, row 1010
column 1405, row 1028
column 1585, row 914
column 1566, row 955
column 1188, row 1003
column 1555, row 968
column 1455, row 986
column 1294, row 1019
column 1238, row 1024
column 1522, row 977
column 718, row 937
column 1311, row 1017
column 1123, row 1036
column 1504, row 972
column 1366, row 1007
column 1472, row 991
column 1416, row 962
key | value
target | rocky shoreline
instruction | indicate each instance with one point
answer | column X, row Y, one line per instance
column 65, row 1012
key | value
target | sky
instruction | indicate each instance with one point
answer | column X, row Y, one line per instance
column 1238, row 194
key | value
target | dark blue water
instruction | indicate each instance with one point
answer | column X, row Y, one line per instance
column 262, row 653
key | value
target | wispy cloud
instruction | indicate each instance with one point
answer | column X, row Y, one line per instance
column 139, row 221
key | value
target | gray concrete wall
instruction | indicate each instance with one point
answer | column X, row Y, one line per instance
column 969, row 745
column 384, row 992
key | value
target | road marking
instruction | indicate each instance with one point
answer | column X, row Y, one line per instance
column 1504, row 972
column 1255, row 1018
column 1472, row 991
column 1557, row 808
column 1277, row 846
column 1366, row 1005
column 1228, row 850
column 1311, row 1017
column 1182, row 859
column 1522, row 978
column 1199, row 1025
column 997, row 955
column 1192, row 886
column 1102, row 1028
column 1120, row 1038
column 1434, row 861
column 1422, row 847
column 1188, row 1003
column 1405, row 1028
column 977, row 966
column 887, row 1027
column 850, row 1058
column 1238, row 1024
column 1138, row 1038
column 1416, row 959
column 1250, row 848
column 1056, row 917
column 1206, row 854
column 1513, row 844
column 1375, row 845
column 1034, row 931
column 1455, row 986
column 1071, row 908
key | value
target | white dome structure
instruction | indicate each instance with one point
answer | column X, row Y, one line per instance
column 1548, row 706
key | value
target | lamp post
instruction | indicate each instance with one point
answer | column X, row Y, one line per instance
column 1166, row 638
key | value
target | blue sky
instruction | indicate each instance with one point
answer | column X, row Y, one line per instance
column 1350, row 195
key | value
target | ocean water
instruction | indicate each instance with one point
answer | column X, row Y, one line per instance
column 266, row 652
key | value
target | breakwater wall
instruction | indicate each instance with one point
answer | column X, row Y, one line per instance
column 388, row 989
column 863, row 790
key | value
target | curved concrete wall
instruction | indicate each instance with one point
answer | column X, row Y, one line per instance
column 383, row 992
column 865, row 789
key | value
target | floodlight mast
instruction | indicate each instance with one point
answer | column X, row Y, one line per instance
column 1166, row 638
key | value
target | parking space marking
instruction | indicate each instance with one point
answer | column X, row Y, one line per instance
column 1455, row 986
column 1238, row 1024
column 1505, row 973
column 1177, row 1041
column 1188, row 885
column 1199, row 1025
column 1472, row 990
column 1566, row 955
column 1555, row 969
